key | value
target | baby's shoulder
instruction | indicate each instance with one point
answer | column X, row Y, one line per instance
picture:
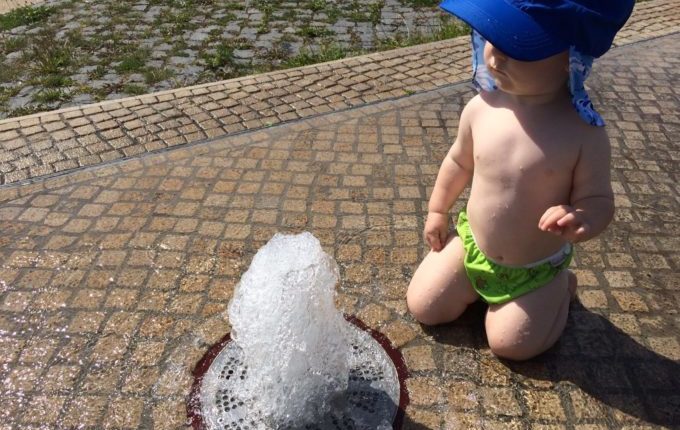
column 479, row 101
column 473, row 108
column 587, row 134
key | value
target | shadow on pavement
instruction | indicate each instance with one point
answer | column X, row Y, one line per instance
column 410, row 425
column 612, row 367
column 599, row 358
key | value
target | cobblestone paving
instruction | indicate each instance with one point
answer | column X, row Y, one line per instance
column 64, row 140
column 114, row 281
column 112, row 49
column 40, row 145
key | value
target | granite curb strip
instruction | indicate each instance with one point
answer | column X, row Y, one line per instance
column 51, row 143
column 211, row 146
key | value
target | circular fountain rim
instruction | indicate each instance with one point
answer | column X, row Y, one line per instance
column 194, row 406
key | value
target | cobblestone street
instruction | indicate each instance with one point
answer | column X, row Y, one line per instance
column 116, row 271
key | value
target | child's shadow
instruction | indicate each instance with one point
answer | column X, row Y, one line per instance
column 601, row 360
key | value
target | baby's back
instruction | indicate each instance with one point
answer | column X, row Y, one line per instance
column 524, row 158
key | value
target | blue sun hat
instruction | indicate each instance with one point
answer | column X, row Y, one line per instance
column 531, row 30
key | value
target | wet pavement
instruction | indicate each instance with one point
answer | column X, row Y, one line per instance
column 115, row 279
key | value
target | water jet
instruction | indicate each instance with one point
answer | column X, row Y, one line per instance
column 292, row 360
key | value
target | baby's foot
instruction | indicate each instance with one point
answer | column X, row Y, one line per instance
column 573, row 283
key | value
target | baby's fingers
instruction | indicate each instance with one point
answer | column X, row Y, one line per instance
column 549, row 219
column 433, row 240
column 545, row 216
column 443, row 235
column 575, row 232
column 580, row 231
column 570, row 219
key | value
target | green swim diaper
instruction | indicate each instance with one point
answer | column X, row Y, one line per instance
column 498, row 284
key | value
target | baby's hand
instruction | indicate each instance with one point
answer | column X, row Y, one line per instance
column 436, row 230
column 565, row 221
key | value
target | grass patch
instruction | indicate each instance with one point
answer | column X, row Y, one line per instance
column 10, row 73
column 451, row 28
column 118, row 8
column 152, row 76
column 421, row 3
column 306, row 57
column 316, row 5
column 8, row 93
column 267, row 8
column 54, row 80
column 276, row 54
column 223, row 56
column 312, row 32
column 226, row 19
column 86, row 44
column 375, row 11
column 24, row 16
column 234, row 6
column 189, row 4
column 178, row 47
column 133, row 62
column 176, row 21
column 97, row 73
column 47, row 58
column 118, row 46
column 289, row 15
column 448, row 29
column 99, row 94
column 333, row 14
column 12, row 44
column 365, row 13
column 134, row 89
column 51, row 95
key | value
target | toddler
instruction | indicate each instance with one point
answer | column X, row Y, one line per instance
column 538, row 159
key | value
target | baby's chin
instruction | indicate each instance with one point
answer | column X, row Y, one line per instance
column 504, row 84
column 508, row 86
column 502, row 80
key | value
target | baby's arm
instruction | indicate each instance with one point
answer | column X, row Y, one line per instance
column 591, row 206
column 454, row 175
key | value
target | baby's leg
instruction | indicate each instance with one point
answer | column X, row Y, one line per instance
column 532, row 323
column 440, row 290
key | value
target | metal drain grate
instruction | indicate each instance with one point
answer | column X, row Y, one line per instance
column 370, row 402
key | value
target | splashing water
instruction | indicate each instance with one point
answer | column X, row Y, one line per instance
column 294, row 341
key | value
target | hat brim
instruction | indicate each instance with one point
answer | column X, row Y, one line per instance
column 509, row 29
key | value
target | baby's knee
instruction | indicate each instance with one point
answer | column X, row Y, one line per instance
column 425, row 308
column 515, row 352
column 514, row 345
column 420, row 309
column 433, row 309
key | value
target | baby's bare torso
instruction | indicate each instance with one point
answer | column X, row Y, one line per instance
column 523, row 164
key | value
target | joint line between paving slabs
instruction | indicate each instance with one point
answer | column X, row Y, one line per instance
column 143, row 157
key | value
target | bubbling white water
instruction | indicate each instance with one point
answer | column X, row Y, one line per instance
column 295, row 342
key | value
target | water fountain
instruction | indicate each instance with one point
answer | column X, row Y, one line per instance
column 292, row 360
